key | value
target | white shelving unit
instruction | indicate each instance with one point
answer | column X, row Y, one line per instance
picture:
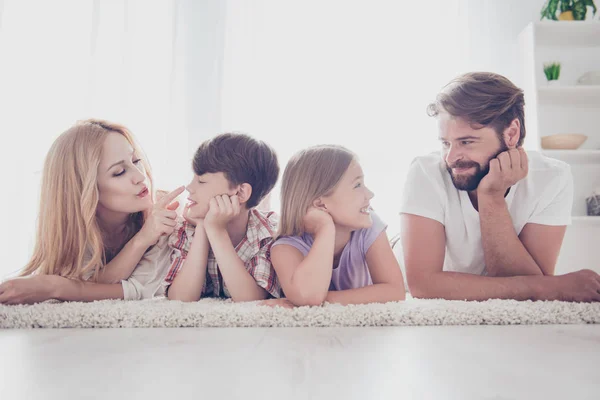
column 566, row 108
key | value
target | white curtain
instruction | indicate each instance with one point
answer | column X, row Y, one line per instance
column 295, row 73
column 359, row 74
column 134, row 62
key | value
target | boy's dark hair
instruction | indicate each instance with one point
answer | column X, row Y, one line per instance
column 242, row 159
column 482, row 99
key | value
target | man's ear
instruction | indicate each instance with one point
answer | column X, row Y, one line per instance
column 244, row 191
column 512, row 134
column 319, row 204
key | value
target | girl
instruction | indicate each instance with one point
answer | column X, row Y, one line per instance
column 97, row 217
column 331, row 246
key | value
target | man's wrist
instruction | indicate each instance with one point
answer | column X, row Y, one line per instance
column 491, row 199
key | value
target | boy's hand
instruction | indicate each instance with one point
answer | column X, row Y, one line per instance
column 221, row 210
column 160, row 218
column 505, row 170
column 285, row 303
column 190, row 220
column 316, row 220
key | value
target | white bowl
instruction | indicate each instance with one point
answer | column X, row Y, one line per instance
column 589, row 78
column 563, row 141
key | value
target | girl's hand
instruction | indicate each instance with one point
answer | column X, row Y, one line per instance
column 316, row 220
column 160, row 219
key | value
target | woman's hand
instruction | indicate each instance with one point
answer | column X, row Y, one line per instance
column 160, row 219
column 30, row 289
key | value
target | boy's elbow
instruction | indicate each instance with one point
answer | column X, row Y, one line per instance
column 307, row 299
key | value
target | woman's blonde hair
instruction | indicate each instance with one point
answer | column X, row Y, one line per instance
column 310, row 174
column 69, row 241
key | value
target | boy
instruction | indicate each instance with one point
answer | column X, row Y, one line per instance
column 222, row 248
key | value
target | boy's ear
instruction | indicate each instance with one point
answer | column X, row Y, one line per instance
column 244, row 192
column 318, row 203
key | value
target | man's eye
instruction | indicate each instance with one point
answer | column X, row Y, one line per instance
column 467, row 142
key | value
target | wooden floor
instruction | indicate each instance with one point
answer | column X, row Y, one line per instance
column 446, row 362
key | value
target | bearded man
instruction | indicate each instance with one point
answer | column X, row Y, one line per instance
column 482, row 218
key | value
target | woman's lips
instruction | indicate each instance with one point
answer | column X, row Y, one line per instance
column 143, row 193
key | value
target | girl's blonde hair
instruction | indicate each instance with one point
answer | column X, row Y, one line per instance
column 310, row 174
column 69, row 241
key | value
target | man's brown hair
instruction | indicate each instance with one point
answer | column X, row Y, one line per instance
column 482, row 99
column 242, row 159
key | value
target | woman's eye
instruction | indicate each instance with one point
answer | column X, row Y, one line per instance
column 119, row 173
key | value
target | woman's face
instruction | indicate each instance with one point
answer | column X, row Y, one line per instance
column 122, row 180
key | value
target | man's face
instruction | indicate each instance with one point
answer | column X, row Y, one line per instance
column 467, row 151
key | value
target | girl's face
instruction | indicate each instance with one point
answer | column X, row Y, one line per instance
column 122, row 180
column 349, row 203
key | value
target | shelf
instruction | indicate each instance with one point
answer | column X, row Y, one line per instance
column 569, row 95
column 585, row 219
column 568, row 33
column 574, row 156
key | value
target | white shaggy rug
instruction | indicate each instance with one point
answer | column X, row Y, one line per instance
column 224, row 313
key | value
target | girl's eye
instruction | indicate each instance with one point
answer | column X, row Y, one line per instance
column 137, row 161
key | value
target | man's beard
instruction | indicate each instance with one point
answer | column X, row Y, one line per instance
column 471, row 182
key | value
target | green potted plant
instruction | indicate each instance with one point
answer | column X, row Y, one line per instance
column 568, row 10
column 552, row 72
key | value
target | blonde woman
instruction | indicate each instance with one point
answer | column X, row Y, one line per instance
column 97, row 217
column 331, row 246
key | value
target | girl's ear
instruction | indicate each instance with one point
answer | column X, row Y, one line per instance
column 319, row 204
column 244, row 191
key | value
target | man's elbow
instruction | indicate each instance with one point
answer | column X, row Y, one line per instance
column 419, row 286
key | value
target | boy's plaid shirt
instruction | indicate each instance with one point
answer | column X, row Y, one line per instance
column 254, row 250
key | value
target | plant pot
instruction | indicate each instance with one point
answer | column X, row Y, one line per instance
column 593, row 205
column 566, row 16
column 554, row 82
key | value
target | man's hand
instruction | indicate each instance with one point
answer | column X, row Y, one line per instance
column 505, row 170
column 29, row 290
column 221, row 210
column 580, row 286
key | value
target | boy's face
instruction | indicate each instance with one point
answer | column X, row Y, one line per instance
column 467, row 151
column 204, row 187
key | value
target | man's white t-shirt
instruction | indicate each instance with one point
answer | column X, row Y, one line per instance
column 544, row 196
